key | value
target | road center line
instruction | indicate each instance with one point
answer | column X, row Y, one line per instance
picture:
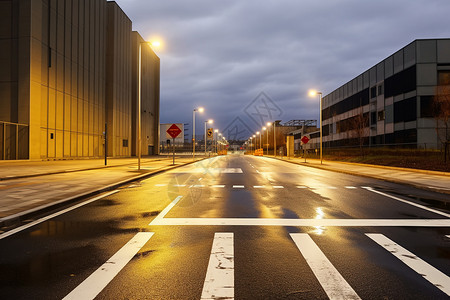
column 219, row 281
column 31, row 224
column 165, row 210
column 430, row 273
column 331, row 280
column 407, row 202
column 98, row 280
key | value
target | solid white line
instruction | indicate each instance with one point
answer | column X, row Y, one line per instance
column 23, row 227
column 218, row 186
column 219, row 281
column 408, row 202
column 166, row 210
column 430, row 273
column 303, row 222
column 98, row 280
column 238, row 186
column 331, row 280
column 278, row 187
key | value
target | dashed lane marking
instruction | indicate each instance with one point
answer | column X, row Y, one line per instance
column 238, row 186
column 219, row 281
column 350, row 187
column 218, row 186
column 258, row 186
column 278, row 187
column 301, row 187
column 433, row 275
column 329, row 277
column 161, row 184
column 98, row 280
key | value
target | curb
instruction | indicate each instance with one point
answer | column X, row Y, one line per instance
column 16, row 219
column 393, row 180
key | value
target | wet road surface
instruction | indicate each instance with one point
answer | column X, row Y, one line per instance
column 237, row 227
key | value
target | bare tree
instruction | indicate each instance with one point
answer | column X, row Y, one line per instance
column 441, row 107
column 359, row 128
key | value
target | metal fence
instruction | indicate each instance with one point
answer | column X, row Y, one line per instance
column 14, row 141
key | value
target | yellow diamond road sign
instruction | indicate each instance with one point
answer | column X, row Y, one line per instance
column 210, row 133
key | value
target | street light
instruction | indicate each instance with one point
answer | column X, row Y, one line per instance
column 210, row 122
column 267, row 139
column 259, row 139
column 215, row 143
column 200, row 110
column 312, row 94
column 268, row 125
column 155, row 44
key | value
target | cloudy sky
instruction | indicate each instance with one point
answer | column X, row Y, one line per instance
column 249, row 61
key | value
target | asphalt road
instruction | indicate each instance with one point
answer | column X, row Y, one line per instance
column 237, row 227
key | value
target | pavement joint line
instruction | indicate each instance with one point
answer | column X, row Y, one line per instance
column 38, row 221
column 98, row 280
column 408, row 202
column 301, row 222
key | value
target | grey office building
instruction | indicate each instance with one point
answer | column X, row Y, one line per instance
column 66, row 71
column 392, row 102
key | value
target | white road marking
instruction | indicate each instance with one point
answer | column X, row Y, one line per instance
column 166, row 210
column 197, row 186
column 218, row 186
column 258, row 186
column 219, row 281
column 350, row 187
column 200, row 179
column 98, row 280
column 303, row 222
column 31, row 224
column 332, row 187
column 212, row 170
column 238, row 186
column 448, row 236
column 331, row 280
column 257, row 171
column 301, row 187
column 278, row 187
column 430, row 273
column 180, row 185
column 408, row 202
column 161, row 184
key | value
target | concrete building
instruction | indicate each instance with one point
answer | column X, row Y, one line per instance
column 391, row 103
column 66, row 71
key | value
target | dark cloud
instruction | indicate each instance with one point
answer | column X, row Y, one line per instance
column 223, row 54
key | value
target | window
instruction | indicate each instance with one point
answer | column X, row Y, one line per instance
column 405, row 110
column 380, row 90
column 373, row 92
column 380, row 115
column 125, row 143
column 426, row 106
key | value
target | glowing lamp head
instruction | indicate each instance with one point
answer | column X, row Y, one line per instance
column 269, row 124
column 210, row 121
column 200, row 109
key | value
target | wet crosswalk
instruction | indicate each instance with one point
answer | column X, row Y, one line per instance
column 243, row 186
column 219, row 280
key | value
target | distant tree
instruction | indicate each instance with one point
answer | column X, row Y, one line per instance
column 359, row 128
column 441, row 108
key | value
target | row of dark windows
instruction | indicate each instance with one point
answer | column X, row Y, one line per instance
column 405, row 110
column 354, row 101
column 407, row 137
column 400, row 83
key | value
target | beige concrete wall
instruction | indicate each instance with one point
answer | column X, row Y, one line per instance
column 149, row 98
column 118, row 81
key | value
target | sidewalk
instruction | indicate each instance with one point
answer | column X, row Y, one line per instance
column 422, row 179
column 28, row 188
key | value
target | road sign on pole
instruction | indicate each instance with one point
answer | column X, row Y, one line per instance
column 305, row 139
column 174, row 131
column 210, row 133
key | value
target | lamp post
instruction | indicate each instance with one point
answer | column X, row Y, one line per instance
column 258, row 133
column 210, row 122
column 274, row 141
column 312, row 94
column 215, row 142
column 200, row 109
column 267, row 139
column 155, row 44
column 268, row 125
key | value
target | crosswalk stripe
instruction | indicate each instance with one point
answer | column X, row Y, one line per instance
column 430, row 273
column 219, row 281
column 98, row 280
column 331, row 280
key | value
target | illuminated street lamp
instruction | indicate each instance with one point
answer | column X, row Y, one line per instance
column 268, row 125
column 312, row 94
column 259, row 139
column 215, row 141
column 154, row 44
column 200, row 110
column 209, row 122
column 267, row 139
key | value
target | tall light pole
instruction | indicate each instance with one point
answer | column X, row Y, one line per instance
column 155, row 44
column 267, row 139
column 268, row 125
column 274, row 141
column 200, row 110
column 256, row 141
column 215, row 143
column 312, row 94
column 210, row 122
column 258, row 133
